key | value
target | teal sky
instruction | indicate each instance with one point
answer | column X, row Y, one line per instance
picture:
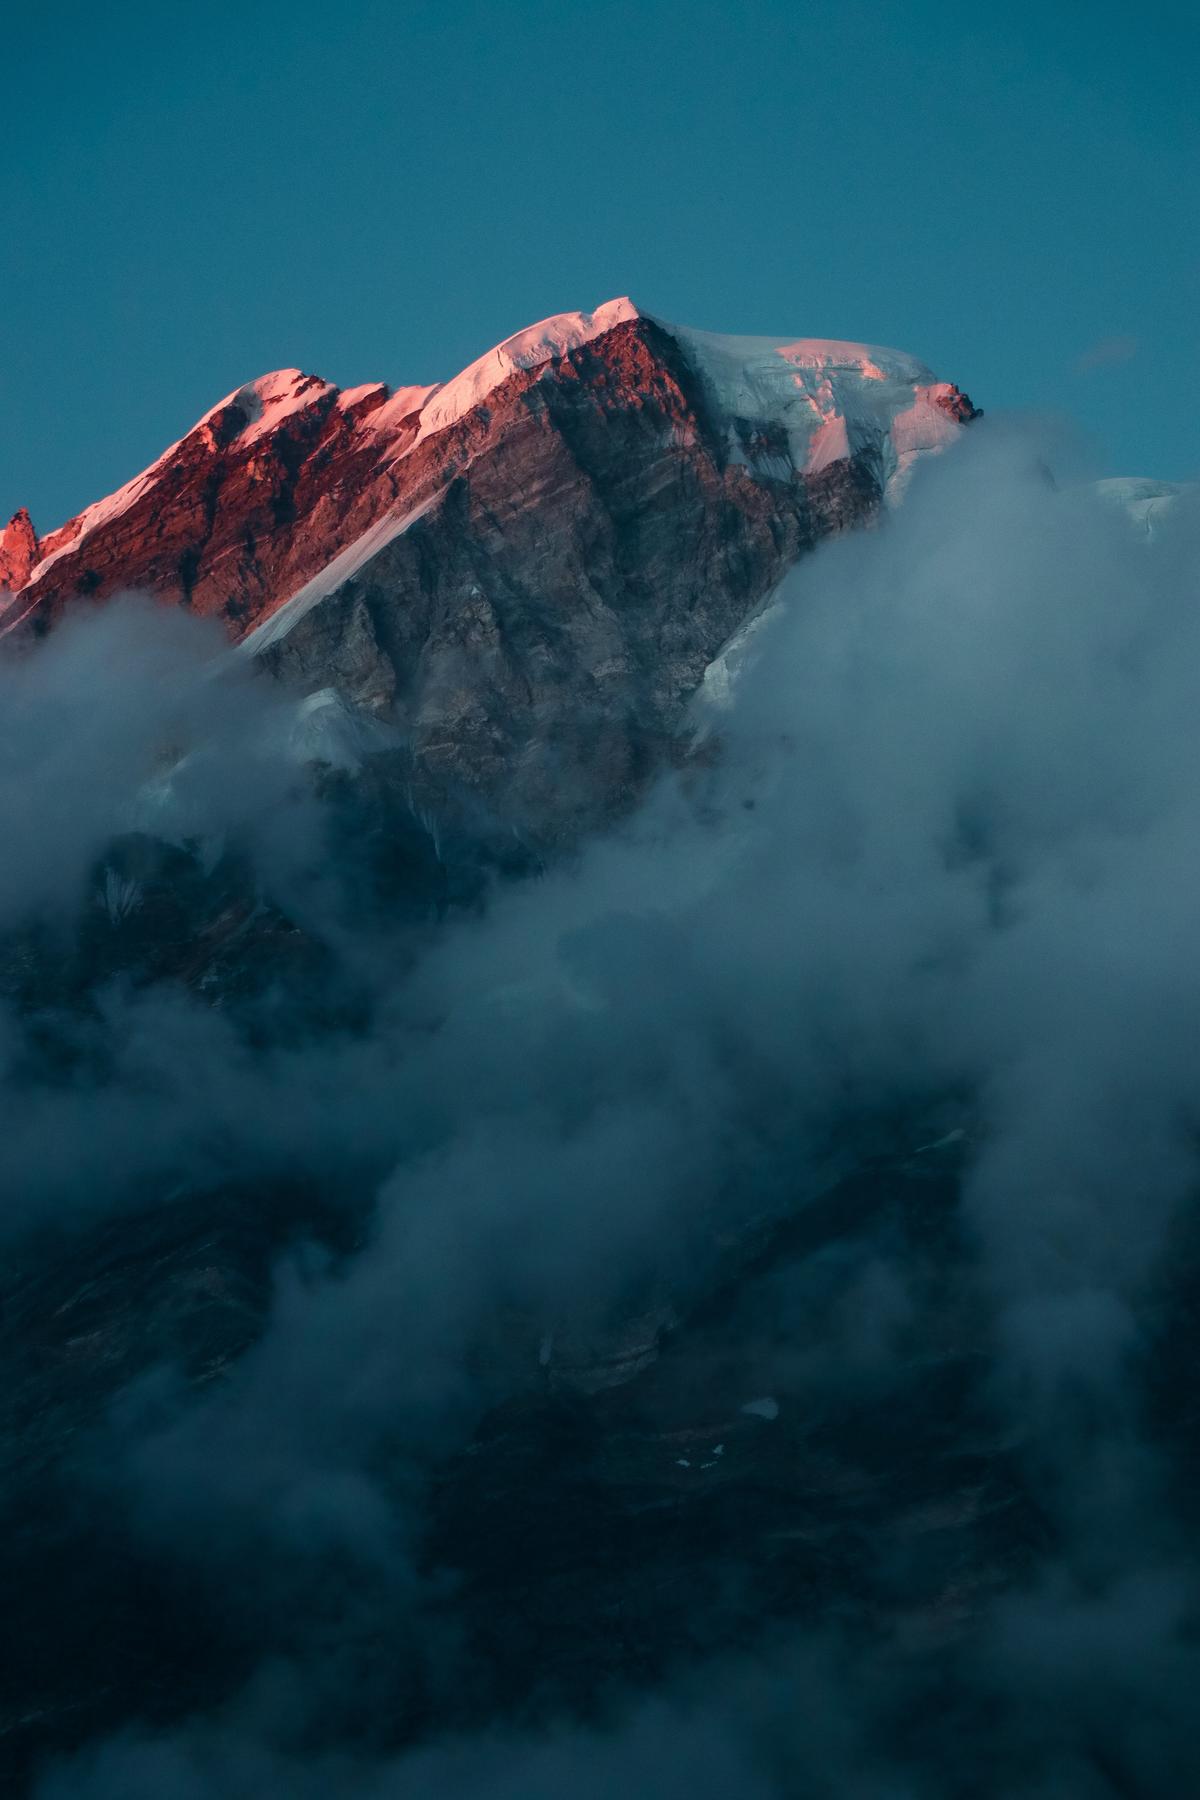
column 194, row 195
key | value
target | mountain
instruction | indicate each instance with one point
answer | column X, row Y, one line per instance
column 746, row 1269
column 491, row 602
column 524, row 570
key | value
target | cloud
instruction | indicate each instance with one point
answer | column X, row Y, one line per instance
column 1106, row 353
column 933, row 881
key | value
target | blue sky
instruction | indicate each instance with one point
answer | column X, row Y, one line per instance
column 193, row 196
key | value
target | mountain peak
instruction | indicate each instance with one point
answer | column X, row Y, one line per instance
column 290, row 481
column 826, row 399
column 522, row 572
column 259, row 407
column 544, row 342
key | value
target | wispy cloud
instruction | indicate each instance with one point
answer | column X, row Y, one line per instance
column 1106, row 353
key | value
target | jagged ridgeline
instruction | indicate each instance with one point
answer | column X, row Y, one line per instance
column 522, row 573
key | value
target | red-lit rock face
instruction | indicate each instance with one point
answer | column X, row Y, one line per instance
column 18, row 552
column 225, row 526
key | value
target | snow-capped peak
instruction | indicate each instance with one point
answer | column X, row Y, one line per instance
column 783, row 405
column 528, row 349
column 831, row 398
column 267, row 402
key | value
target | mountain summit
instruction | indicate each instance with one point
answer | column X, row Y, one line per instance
column 525, row 569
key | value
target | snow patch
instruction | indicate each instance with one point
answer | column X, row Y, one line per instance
column 270, row 400
column 829, row 443
column 957, row 1136
column 718, row 688
column 327, row 729
column 923, row 428
column 1145, row 503
column 528, row 349
column 403, row 404
column 767, row 1408
column 350, row 397
column 832, row 399
column 121, row 897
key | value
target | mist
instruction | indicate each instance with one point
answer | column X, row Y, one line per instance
column 920, row 898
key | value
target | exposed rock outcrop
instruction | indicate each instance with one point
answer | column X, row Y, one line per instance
column 18, row 552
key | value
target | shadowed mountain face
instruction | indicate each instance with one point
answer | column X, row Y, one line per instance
column 598, row 1173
